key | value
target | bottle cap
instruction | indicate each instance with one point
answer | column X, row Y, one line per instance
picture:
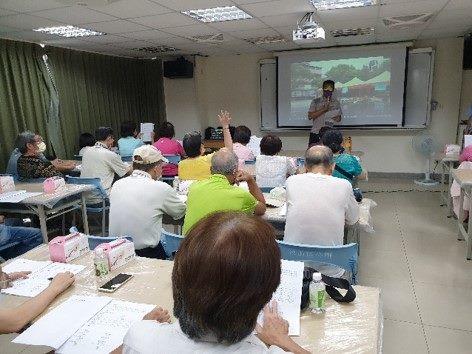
column 99, row 251
column 317, row 276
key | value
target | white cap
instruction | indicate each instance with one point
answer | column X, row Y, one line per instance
column 148, row 154
column 317, row 276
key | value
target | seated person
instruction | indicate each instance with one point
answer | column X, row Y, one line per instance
column 28, row 237
column 85, row 140
column 31, row 164
column 100, row 162
column 272, row 170
column 225, row 273
column 318, row 204
column 130, row 139
column 242, row 136
column 347, row 166
column 317, row 139
column 218, row 192
column 167, row 145
column 138, row 202
column 197, row 165
column 15, row 319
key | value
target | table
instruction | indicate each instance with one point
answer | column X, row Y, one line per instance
column 354, row 327
column 464, row 179
column 446, row 163
column 49, row 206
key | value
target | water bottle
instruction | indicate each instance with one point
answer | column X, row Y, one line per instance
column 100, row 262
column 176, row 183
column 317, row 294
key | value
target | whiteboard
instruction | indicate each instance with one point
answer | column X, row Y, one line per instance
column 417, row 109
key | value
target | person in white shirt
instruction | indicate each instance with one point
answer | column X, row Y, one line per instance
column 138, row 202
column 225, row 273
column 99, row 161
column 271, row 169
column 318, row 204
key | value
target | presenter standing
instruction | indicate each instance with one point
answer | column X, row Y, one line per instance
column 324, row 111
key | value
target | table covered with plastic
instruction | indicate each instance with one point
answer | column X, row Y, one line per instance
column 344, row 328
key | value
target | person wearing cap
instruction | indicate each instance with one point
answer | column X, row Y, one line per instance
column 138, row 202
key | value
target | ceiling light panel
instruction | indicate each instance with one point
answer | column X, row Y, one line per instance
column 218, row 14
column 69, row 31
column 341, row 4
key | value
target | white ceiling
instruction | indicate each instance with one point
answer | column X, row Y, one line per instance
column 130, row 24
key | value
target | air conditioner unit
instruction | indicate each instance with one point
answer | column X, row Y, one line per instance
column 400, row 22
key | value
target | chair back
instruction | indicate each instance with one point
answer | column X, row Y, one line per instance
column 344, row 256
column 266, row 189
column 12, row 167
column 78, row 157
column 94, row 181
column 127, row 158
column 250, row 162
column 300, row 161
column 173, row 159
column 170, row 242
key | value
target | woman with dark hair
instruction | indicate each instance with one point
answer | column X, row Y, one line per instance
column 242, row 135
column 167, row 145
column 272, row 170
column 130, row 139
column 225, row 273
column 346, row 166
column 85, row 140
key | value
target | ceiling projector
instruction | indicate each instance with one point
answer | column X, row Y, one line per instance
column 308, row 31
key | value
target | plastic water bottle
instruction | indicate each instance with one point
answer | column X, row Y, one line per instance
column 317, row 294
column 176, row 183
column 100, row 262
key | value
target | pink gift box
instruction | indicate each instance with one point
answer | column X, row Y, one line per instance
column 118, row 252
column 67, row 248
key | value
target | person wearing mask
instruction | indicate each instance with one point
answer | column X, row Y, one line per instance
column 130, row 139
column 219, row 192
column 167, row 145
column 15, row 319
column 224, row 275
column 138, row 202
column 100, row 162
column 272, row 170
column 197, row 165
column 242, row 136
column 85, row 140
column 324, row 110
column 346, row 166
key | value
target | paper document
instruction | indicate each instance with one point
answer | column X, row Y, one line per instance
column 24, row 265
column 38, row 280
column 283, row 210
column 105, row 331
column 146, row 131
column 16, row 196
column 289, row 295
column 56, row 327
column 467, row 140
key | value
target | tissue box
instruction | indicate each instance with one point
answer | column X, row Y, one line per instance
column 7, row 184
column 118, row 252
column 67, row 248
column 52, row 184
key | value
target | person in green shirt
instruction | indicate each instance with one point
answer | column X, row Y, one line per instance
column 220, row 191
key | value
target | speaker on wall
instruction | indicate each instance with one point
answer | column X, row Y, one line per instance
column 178, row 69
column 467, row 61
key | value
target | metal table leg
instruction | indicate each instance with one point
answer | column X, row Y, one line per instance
column 42, row 223
column 84, row 215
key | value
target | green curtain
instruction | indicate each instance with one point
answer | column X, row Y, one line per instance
column 72, row 92
column 24, row 95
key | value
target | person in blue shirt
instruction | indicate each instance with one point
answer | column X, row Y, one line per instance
column 346, row 166
column 129, row 139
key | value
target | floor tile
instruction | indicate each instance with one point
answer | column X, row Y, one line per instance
column 389, row 265
column 403, row 337
column 445, row 340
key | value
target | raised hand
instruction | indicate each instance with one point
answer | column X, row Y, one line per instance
column 225, row 118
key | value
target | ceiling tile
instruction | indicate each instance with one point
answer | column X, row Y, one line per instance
column 131, row 44
column 149, row 35
column 132, row 8
column 359, row 13
column 229, row 26
column 118, row 26
column 282, row 20
column 355, row 40
column 163, row 21
column 442, row 33
column 459, row 4
column 5, row 12
column 30, row 5
column 27, row 22
column 29, row 36
column 192, row 30
column 279, row 7
column 279, row 46
column 180, row 5
column 6, row 29
column 242, row 2
column 350, row 24
column 74, row 15
column 173, row 41
column 412, row 7
column 109, row 38
column 254, row 33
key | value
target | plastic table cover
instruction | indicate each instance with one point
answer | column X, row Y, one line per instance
column 344, row 328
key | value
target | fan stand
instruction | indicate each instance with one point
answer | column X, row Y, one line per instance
column 427, row 181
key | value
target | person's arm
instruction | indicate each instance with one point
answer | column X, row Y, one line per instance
column 254, row 189
column 274, row 331
column 13, row 320
column 173, row 206
column 119, row 167
column 225, row 120
column 64, row 166
column 314, row 114
column 352, row 208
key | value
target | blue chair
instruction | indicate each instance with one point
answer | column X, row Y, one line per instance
column 344, row 256
column 94, row 209
column 250, row 162
column 300, row 161
column 127, row 158
column 94, row 241
column 170, row 242
column 173, row 159
column 266, row 189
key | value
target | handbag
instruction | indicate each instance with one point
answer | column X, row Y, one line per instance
column 332, row 286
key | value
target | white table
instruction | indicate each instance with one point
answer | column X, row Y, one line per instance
column 464, row 179
column 446, row 164
column 353, row 328
column 49, row 206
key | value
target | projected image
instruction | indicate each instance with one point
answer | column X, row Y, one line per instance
column 362, row 87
